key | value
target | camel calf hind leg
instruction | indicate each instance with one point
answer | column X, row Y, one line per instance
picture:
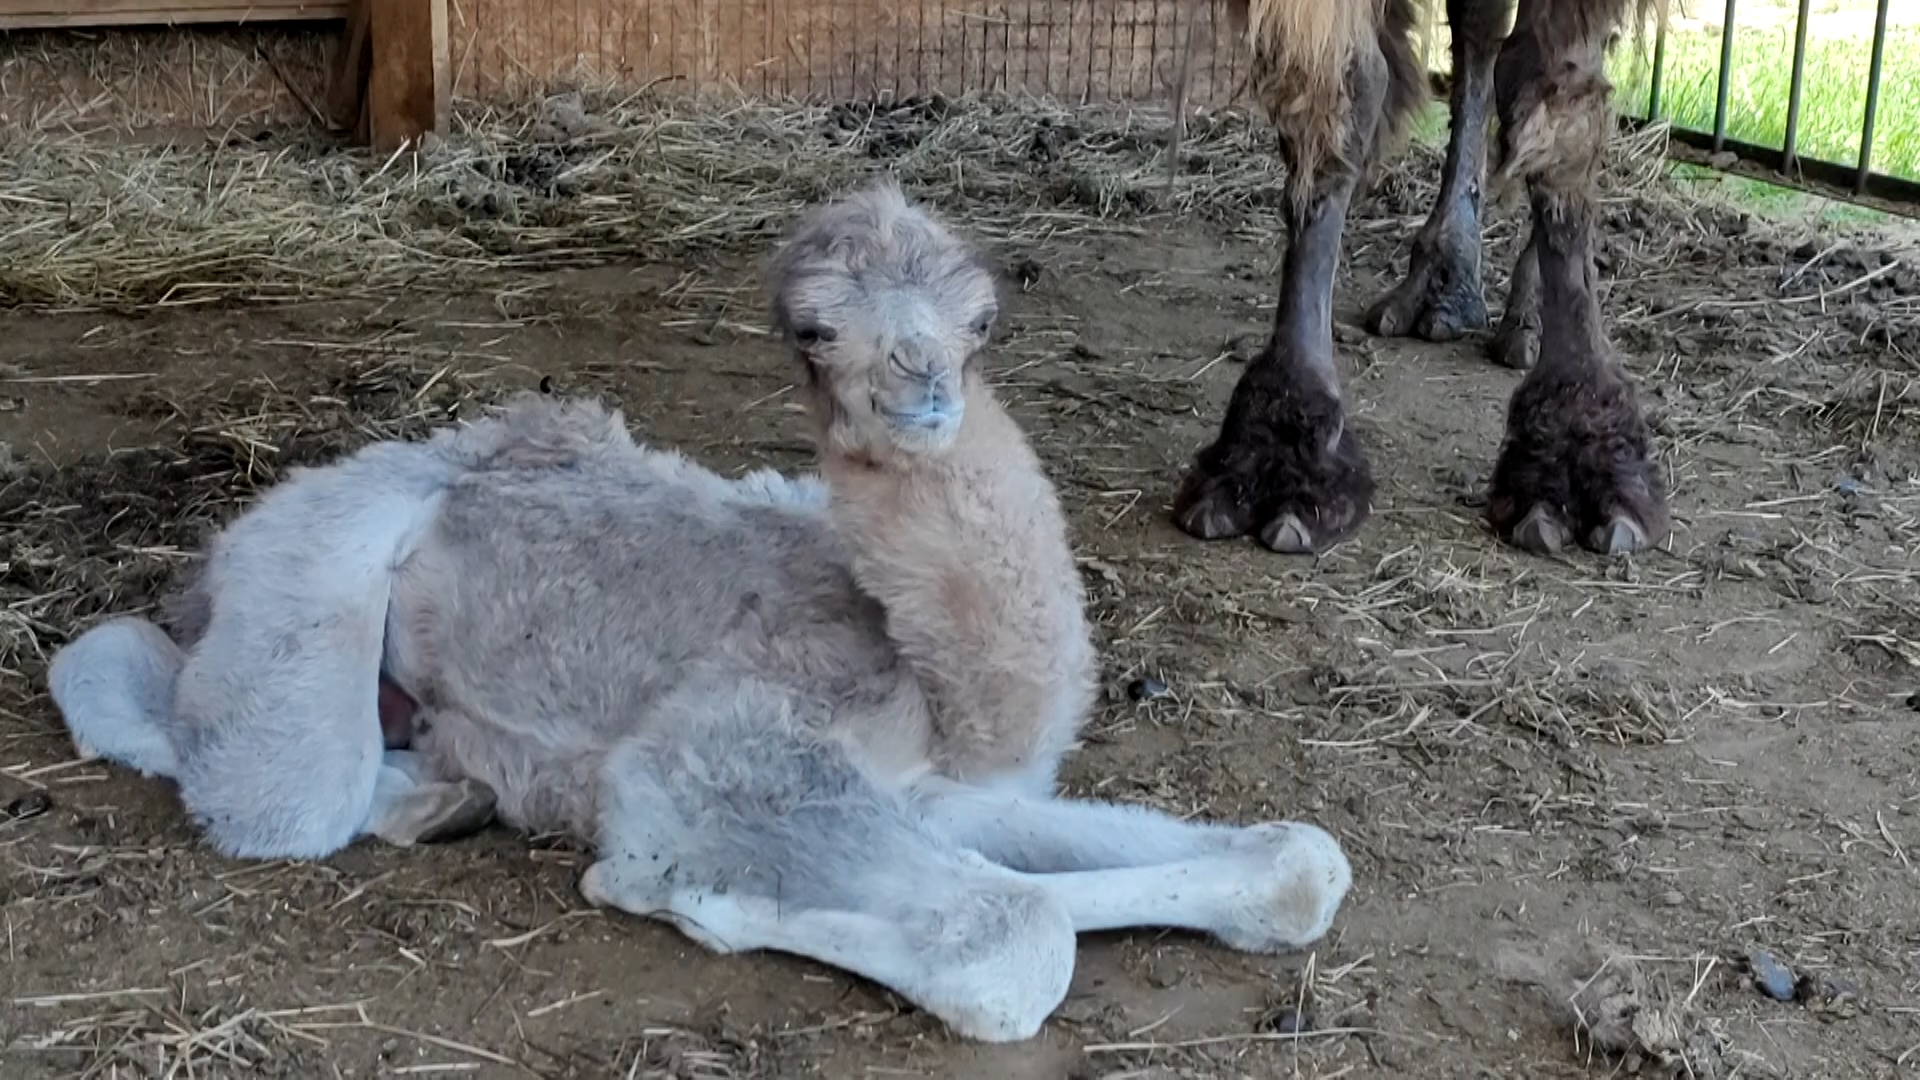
column 114, row 687
column 413, row 806
column 1577, row 462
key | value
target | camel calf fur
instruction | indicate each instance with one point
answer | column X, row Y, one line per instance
column 823, row 718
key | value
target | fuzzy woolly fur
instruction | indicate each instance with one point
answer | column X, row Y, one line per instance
column 1304, row 53
column 1304, row 57
column 818, row 714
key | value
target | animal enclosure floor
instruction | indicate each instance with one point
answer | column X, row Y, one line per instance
column 1544, row 770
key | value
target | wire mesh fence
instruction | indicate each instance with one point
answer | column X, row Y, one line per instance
column 1128, row 51
column 1073, row 50
column 1822, row 90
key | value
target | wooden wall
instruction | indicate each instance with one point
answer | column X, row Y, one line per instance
column 242, row 77
column 1076, row 49
column 191, row 78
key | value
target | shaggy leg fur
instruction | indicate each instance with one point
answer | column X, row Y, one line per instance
column 1263, row 889
column 1577, row 460
column 1441, row 296
column 1285, row 462
column 732, row 823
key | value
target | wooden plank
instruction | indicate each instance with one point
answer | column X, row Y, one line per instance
column 50, row 14
column 513, row 29
column 409, row 87
column 263, row 8
column 232, row 15
column 86, row 7
column 461, row 41
column 226, row 15
column 347, row 91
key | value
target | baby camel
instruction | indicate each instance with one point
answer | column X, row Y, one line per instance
column 822, row 718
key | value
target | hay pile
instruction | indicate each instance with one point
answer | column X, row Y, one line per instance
column 93, row 223
column 572, row 180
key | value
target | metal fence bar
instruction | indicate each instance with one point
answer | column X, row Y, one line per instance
column 1726, row 76
column 1789, row 147
column 1857, row 179
column 1660, row 69
column 1873, row 96
column 1899, row 195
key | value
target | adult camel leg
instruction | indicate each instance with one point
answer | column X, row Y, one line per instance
column 1441, row 296
column 1577, row 462
column 1285, row 463
column 1516, row 344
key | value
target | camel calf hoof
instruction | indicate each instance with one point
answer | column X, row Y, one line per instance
column 1292, row 879
column 468, row 810
column 997, row 966
column 435, row 813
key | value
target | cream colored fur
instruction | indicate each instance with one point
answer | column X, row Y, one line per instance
column 966, row 552
column 1302, row 51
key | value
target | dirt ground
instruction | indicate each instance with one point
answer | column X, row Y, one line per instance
column 1543, row 770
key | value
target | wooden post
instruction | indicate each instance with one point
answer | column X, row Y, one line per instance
column 410, row 84
column 347, row 94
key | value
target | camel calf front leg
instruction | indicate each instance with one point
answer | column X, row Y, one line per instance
column 738, row 828
column 1264, row 888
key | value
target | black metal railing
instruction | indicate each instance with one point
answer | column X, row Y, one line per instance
column 1858, row 178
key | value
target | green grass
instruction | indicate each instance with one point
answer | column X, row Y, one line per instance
column 1833, row 100
column 1782, row 204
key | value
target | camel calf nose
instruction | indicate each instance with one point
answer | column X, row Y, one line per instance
column 918, row 360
